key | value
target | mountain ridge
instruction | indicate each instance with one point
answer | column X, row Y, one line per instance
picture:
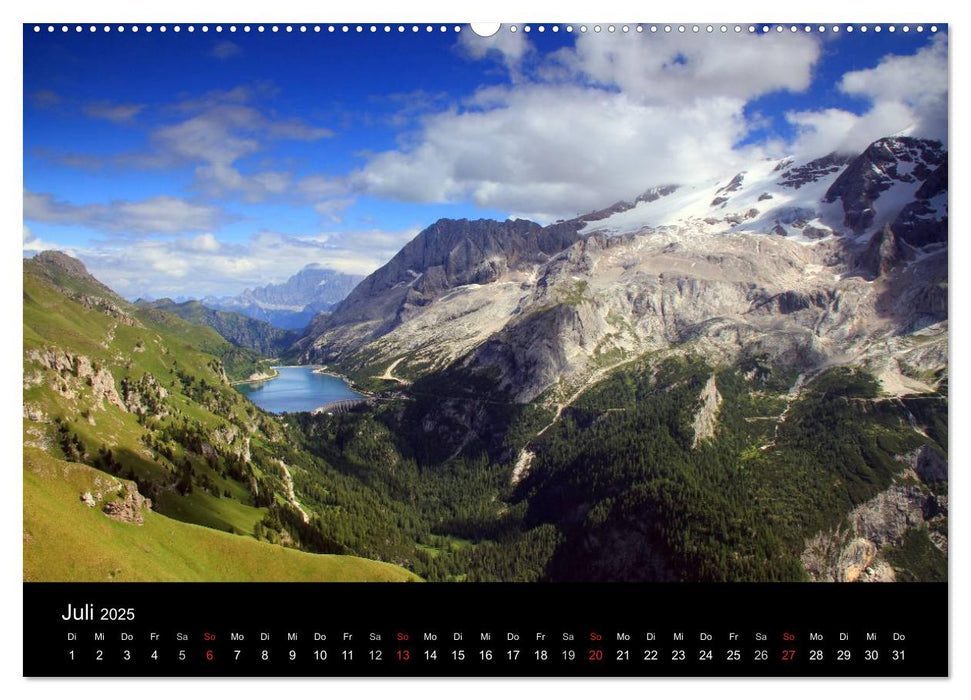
column 292, row 304
column 681, row 265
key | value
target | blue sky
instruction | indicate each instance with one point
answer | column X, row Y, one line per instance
column 203, row 163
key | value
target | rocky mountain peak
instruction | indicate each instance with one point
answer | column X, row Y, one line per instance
column 68, row 273
column 450, row 253
column 291, row 304
column 888, row 164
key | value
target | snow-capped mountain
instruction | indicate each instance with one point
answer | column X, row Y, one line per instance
column 841, row 259
column 833, row 195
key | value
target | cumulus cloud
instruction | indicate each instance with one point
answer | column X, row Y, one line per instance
column 605, row 119
column 907, row 95
column 670, row 68
column 156, row 215
column 202, row 265
column 556, row 151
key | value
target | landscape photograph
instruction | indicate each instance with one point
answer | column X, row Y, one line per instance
column 405, row 303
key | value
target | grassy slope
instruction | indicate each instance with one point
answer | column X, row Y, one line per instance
column 174, row 352
column 64, row 540
column 238, row 329
column 53, row 320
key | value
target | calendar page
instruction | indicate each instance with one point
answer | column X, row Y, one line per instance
column 531, row 349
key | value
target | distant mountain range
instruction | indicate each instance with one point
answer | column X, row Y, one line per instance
column 292, row 304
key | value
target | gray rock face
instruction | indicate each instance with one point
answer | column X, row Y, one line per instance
column 734, row 185
column 924, row 220
column 854, row 554
column 883, row 164
column 70, row 375
column 651, row 195
column 445, row 256
column 655, row 193
column 800, row 175
column 706, row 418
column 883, row 253
column 927, row 463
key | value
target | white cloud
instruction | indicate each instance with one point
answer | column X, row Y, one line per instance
column 558, row 150
column 604, row 120
column 32, row 244
column 838, row 130
column 157, row 215
column 212, row 133
column 204, row 242
column 670, row 68
column 907, row 94
column 917, row 79
column 333, row 209
column 509, row 48
column 225, row 132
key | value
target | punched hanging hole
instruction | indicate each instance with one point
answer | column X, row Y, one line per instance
column 485, row 29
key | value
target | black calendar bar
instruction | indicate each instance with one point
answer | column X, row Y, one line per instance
column 502, row 630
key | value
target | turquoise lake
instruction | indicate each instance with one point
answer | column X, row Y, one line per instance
column 297, row 389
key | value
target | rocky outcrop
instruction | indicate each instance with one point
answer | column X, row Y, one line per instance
column 706, row 418
column 929, row 464
column 887, row 516
column 854, row 554
column 107, row 307
column 35, row 413
column 655, row 193
column 128, row 507
column 521, row 468
column 69, row 374
column 734, row 185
